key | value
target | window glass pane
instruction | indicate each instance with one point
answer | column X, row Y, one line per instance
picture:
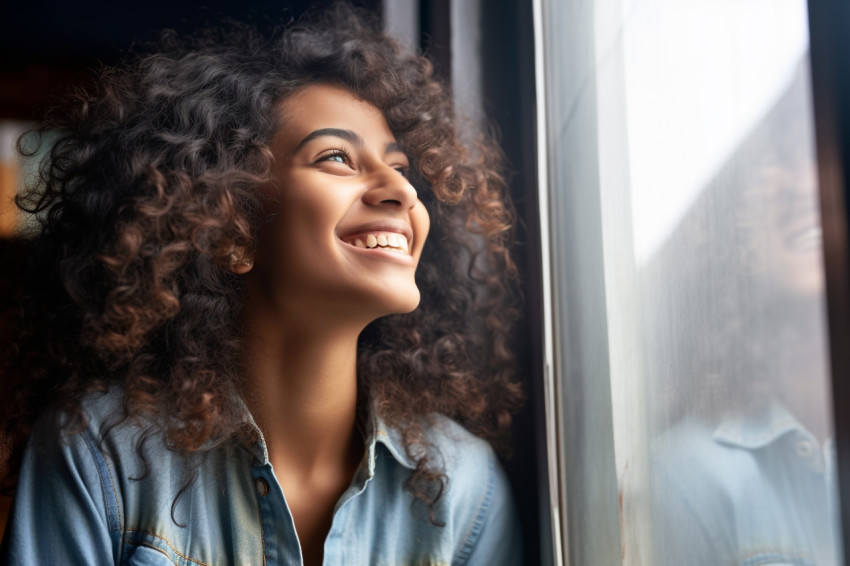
column 688, row 280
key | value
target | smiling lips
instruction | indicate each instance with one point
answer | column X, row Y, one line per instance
column 389, row 241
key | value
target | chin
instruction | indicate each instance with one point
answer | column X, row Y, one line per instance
column 403, row 305
column 408, row 307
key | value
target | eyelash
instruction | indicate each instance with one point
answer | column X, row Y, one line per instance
column 403, row 171
column 346, row 159
column 340, row 152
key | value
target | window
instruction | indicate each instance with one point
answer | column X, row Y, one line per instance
column 690, row 360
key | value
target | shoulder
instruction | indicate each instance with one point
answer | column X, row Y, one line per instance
column 477, row 499
column 473, row 473
column 100, row 453
column 113, row 491
column 463, row 455
column 105, row 428
column 64, row 469
column 109, row 448
column 60, row 431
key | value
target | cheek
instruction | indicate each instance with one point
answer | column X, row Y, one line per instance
column 309, row 215
column 299, row 227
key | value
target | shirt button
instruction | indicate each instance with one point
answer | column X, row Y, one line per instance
column 804, row 449
column 262, row 487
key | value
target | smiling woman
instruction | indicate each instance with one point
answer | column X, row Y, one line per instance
column 337, row 182
column 235, row 341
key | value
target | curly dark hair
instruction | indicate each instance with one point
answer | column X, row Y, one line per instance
column 150, row 182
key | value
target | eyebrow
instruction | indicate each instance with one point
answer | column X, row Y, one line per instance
column 347, row 135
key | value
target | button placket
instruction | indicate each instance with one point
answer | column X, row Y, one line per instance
column 280, row 541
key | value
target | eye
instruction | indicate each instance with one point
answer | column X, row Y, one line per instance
column 402, row 170
column 401, row 165
column 336, row 156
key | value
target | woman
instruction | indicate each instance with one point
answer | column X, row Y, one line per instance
column 232, row 299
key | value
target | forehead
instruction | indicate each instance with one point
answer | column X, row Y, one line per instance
column 329, row 106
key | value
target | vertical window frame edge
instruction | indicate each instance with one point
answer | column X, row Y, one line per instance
column 554, row 454
column 830, row 76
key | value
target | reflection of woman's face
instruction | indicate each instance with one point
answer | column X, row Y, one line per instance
column 792, row 226
column 346, row 227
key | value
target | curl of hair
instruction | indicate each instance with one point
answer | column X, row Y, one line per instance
column 152, row 181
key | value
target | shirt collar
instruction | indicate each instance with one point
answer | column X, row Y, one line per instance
column 391, row 439
column 757, row 428
column 378, row 433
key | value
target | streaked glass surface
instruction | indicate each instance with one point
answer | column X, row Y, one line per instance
column 688, row 284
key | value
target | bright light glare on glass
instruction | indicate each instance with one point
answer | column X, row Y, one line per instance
column 699, row 76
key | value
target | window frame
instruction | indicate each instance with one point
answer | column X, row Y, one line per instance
column 828, row 38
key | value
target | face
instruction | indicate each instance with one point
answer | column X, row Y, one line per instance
column 346, row 227
column 789, row 227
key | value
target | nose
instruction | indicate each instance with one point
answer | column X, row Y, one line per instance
column 388, row 187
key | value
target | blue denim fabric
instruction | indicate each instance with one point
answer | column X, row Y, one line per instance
column 89, row 500
column 757, row 490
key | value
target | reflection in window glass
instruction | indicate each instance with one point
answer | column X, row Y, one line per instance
column 741, row 458
column 687, row 266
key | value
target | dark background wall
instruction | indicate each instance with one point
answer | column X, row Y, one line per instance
column 47, row 45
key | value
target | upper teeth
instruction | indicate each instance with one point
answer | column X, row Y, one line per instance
column 383, row 240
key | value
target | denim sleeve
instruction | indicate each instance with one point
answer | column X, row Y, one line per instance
column 65, row 509
column 495, row 539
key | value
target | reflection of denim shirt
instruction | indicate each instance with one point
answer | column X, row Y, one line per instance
column 757, row 490
column 81, row 501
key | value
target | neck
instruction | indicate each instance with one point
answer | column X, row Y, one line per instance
column 301, row 388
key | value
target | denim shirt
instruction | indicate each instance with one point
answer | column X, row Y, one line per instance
column 89, row 499
column 757, row 490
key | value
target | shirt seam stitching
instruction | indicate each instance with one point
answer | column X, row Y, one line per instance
column 475, row 529
column 100, row 464
column 171, row 546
